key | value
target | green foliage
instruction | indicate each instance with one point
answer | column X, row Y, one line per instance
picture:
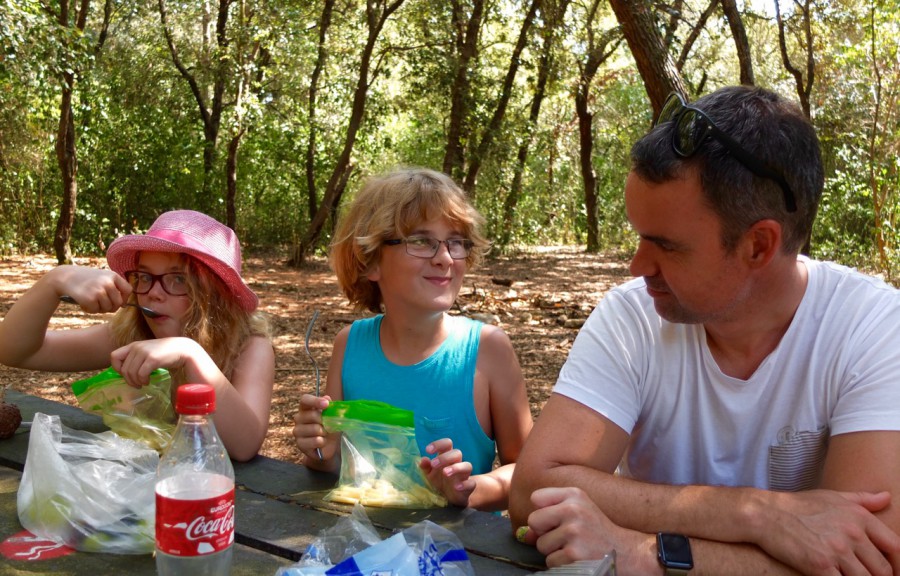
column 858, row 115
column 140, row 137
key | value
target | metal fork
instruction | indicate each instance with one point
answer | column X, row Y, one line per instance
column 309, row 329
column 144, row 310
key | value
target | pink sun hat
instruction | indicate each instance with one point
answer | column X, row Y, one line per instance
column 192, row 233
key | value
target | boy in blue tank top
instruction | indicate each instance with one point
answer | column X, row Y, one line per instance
column 401, row 251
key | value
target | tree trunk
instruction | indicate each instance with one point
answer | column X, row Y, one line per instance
column 588, row 176
column 487, row 137
column 881, row 174
column 598, row 52
column 324, row 24
column 210, row 112
column 676, row 9
column 66, row 155
column 231, row 164
column 653, row 61
column 741, row 43
column 694, row 34
column 553, row 16
column 804, row 88
column 466, row 43
column 68, row 168
column 376, row 15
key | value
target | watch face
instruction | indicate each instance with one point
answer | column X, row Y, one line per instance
column 674, row 551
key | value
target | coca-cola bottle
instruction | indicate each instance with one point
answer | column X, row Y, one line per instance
column 194, row 492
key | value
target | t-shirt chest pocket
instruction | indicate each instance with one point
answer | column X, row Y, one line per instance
column 796, row 462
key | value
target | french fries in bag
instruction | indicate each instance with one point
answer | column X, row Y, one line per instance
column 379, row 457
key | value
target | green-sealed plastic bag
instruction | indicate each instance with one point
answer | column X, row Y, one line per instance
column 379, row 456
column 145, row 414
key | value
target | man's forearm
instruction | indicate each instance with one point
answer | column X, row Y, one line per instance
column 716, row 558
column 802, row 530
column 714, row 513
column 705, row 514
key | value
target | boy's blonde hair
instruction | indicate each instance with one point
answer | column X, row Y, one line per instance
column 215, row 319
column 391, row 206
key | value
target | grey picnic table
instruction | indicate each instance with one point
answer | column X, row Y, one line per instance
column 279, row 511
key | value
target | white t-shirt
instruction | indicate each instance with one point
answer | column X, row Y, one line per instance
column 836, row 370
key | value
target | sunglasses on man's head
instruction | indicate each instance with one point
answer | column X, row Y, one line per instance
column 693, row 127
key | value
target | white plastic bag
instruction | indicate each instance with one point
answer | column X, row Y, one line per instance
column 92, row 492
column 352, row 546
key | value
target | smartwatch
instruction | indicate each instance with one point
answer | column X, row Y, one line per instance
column 674, row 553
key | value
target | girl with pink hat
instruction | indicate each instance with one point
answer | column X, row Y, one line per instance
column 180, row 304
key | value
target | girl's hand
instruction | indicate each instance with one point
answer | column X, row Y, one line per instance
column 448, row 473
column 137, row 360
column 96, row 291
column 309, row 433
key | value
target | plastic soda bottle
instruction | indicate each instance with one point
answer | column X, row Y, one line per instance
column 194, row 492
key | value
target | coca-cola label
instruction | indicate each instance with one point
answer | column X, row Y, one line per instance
column 194, row 527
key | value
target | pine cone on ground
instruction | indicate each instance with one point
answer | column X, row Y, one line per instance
column 10, row 418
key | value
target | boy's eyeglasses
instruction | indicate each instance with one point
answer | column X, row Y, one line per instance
column 693, row 127
column 173, row 283
column 425, row 247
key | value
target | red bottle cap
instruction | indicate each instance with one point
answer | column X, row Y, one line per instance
column 193, row 399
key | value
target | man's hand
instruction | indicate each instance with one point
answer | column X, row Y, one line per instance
column 819, row 531
column 567, row 526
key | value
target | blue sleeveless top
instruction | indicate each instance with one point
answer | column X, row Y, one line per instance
column 438, row 389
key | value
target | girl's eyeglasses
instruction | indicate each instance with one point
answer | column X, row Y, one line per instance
column 425, row 247
column 173, row 283
column 693, row 127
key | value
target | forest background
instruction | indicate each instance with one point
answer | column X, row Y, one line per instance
column 268, row 114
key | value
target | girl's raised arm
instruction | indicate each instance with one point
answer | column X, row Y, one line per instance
column 26, row 341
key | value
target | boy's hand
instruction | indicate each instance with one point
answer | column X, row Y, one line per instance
column 448, row 473
column 309, row 433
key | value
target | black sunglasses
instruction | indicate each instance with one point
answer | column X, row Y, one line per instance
column 693, row 127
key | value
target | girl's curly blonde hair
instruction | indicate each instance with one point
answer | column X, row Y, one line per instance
column 391, row 206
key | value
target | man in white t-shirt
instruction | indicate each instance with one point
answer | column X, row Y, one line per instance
column 736, row 408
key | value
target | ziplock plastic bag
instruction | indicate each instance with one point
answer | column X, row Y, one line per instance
column 91, row 492
column 379, row 457
column 352, row 546
column 144, row 414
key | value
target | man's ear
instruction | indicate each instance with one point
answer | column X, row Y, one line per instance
column 763, row 242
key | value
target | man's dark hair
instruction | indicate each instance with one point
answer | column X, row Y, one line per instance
column 768, row 126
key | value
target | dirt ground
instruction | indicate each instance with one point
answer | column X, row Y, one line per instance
column 539, row 297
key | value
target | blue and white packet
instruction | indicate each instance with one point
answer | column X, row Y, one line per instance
column 352, row 548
